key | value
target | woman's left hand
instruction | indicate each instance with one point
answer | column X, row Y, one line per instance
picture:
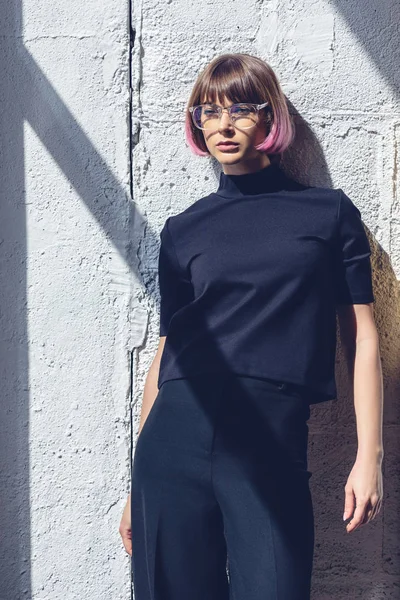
column 363, row 492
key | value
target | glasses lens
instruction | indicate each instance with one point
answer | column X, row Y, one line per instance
column 244, row 116
column 206, row 116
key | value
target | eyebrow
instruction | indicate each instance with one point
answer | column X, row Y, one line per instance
column 216, row 103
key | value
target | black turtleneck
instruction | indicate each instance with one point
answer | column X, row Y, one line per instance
column 250, row 277
column 268, row 179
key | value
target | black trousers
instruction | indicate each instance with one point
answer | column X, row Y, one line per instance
column 220, row 501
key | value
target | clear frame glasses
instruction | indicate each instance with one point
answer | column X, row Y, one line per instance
column 243, row 115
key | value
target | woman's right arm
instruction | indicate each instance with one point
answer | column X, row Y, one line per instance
column 150, row 388
column 149, row 395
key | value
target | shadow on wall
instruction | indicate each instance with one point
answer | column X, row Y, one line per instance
column 376, row 28
column 333, row 437
column 26, row 94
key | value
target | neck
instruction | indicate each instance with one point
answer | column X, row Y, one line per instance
column 263, row 181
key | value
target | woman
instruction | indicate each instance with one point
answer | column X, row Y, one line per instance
column 251, row 278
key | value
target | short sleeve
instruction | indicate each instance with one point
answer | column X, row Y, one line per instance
column 353, row 276
column 175, row 289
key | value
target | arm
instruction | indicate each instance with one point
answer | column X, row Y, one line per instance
column 150, row 387
column 175, row 291
column 361, row 342
column 149, row 395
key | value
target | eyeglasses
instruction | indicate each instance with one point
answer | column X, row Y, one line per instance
column 242, row 115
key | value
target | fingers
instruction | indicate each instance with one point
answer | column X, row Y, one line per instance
column 126, row 540
column 368, row 514
column 349, row 503
column 125, row 527
column 375, row 508
column 359, row 515
column 366, row 511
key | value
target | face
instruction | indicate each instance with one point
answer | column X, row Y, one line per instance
column 242, row 157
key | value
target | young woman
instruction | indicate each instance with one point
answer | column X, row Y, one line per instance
column 251, row 278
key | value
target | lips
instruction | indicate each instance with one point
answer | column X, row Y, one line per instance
column 227, row 147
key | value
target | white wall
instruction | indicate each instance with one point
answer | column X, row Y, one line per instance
column 67, row 273
column 338, row 65
column 78, row 287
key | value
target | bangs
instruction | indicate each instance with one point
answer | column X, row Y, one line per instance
column 229, row 79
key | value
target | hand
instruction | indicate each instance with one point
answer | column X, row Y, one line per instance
column 125, row 527
column 363, row 493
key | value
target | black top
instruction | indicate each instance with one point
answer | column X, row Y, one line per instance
column 250, row 277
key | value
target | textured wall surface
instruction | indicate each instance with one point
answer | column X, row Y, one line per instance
column 67, row 271
column 338, row 66
column 78, row 287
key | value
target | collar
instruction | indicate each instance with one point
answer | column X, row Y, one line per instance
column 268, row 179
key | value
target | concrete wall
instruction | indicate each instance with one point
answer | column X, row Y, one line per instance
column 68, row 268
column 79, row 247
column 338, row 64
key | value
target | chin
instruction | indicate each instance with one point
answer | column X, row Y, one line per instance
column 231, row 162
column 230, row 158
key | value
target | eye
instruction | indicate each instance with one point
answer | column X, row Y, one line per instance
column 209, row 110
column 241, row 109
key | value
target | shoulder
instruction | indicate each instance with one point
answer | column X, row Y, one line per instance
column 202, row 206
column 196, row 206
column 313, row 197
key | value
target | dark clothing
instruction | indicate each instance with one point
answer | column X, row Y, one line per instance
column 250, row 277
column 220, row 503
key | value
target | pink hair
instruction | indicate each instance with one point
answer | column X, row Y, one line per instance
column 189, row 137
column 280, row 137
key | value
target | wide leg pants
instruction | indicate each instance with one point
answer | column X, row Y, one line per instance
column 220, row 502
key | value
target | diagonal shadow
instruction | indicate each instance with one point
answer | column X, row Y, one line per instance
column 377, row 28
column 27, row 95
column 15, row 550
column 79, row 160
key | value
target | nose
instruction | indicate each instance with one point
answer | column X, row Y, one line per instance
column 225, row 120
